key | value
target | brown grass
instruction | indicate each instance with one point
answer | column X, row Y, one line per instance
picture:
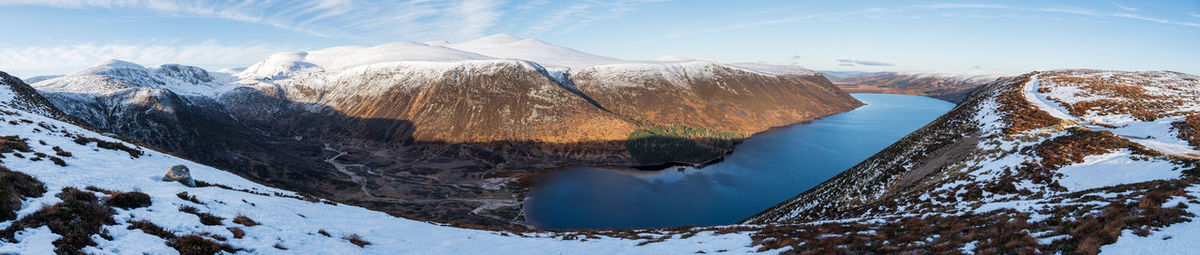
column 238, row 233
column 152, row 229
column 1122, row 94
column 14, row 143
column 190, row 198
column 356, row 240
column 128, row 200
column 60, row 152
column 13, row 187
column 245, row 221
column 79, row 216
column 1189, row 130
column 205, row 218
column 133, row 152
column 198, row 245
column 1020, row 114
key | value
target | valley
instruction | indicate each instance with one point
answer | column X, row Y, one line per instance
column 438, row 132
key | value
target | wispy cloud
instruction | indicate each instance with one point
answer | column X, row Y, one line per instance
column 743, row 26
column 580, row 14
column 852, row 62
column 359, row 19
column 38, row 60
column 963, row 6
column 1197, row 15
column 1139, row 17
column 1126, row 8
column 1076, row 11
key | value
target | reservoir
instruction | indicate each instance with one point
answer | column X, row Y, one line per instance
column 764, row 170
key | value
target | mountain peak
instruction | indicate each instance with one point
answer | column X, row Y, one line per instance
column 109, row 65
column 117, row 63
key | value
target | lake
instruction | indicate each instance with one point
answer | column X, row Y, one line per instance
column 764, row 170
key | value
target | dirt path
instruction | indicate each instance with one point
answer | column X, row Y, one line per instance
column 362, row 182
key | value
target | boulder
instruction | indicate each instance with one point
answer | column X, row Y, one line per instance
column 181, row 174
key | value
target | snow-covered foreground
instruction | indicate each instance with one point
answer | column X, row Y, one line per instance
column 286, row 222
column 1180, row 238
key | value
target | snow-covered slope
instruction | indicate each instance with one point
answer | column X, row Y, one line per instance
column 346, row 57
column 1143, row 107
column 556, row 59
column 507, row 46
column 285, row 222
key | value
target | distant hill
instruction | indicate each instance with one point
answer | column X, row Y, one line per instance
column 949, row 86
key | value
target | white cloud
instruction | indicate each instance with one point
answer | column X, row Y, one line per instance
column 42, row 60
column 1197, row 15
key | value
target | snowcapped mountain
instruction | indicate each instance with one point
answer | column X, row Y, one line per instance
column 949, row 86
column 427, row 130
column 70, row 190
column 115, row 76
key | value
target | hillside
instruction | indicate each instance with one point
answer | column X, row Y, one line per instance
column 949, row 86
column 441, row 131
column 69, row 190
column 1067, row 161
column 1072, row 160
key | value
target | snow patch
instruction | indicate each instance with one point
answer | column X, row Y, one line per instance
column 1114, row 168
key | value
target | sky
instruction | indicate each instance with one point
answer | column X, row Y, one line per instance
column 47, row 37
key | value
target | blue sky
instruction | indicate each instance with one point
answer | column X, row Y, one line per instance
column 60, row 36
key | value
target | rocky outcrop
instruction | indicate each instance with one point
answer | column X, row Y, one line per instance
column 181, row 174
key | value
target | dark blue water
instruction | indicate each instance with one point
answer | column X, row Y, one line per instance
column 764, row 170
